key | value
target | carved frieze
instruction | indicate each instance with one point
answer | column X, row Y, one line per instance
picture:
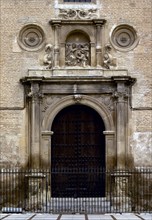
column 77, row 54
column 78, row 13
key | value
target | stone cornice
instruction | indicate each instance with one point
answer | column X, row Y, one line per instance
column 59, row 22
column 78, row 75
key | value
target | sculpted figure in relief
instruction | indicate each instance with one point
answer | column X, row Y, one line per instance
column 108, row 59
column 48, row 57
column 77, row 54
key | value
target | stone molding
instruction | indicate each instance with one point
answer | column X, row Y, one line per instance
column 76, row 71
column 52, row 111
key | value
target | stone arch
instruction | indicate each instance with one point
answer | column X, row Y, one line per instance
column 74, row 29
column 78, row 32
column 84, row 100
column 100, row 108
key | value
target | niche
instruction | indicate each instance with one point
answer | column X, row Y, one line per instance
column 77, row 49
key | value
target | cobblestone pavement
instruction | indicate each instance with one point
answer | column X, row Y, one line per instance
column 32, row 216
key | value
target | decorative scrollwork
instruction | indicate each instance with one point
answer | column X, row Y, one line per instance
column 78, row 14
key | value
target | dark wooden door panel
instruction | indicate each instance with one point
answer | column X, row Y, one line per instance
column 78, row 153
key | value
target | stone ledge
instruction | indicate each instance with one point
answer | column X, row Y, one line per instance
column 79, row 72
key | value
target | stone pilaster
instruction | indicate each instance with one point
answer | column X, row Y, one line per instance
column 121, row 97
column 98, row 44
column 36, row 190
column 110, row 149
column 35, row 96
column 56, row 46
column 46, row 148
column 121, row 199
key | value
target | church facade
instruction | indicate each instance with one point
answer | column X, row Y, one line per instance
column 76, row 83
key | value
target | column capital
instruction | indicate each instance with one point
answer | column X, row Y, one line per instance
column 99, row 22
column 121, row 96
column 35, row 92
column 55, row 22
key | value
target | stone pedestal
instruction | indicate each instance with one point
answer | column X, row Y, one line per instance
column 121, row 201
column 36, row 191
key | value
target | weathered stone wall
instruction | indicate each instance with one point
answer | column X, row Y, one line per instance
column 15, row 62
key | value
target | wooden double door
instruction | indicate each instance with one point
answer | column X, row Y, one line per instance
column 78, row 153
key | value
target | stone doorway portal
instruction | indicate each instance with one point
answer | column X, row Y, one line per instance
column 78, row 153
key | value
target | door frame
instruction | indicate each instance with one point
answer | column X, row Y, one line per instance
column 100, row 108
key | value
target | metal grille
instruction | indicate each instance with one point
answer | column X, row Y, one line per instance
column 30, row 191
column 78, row 183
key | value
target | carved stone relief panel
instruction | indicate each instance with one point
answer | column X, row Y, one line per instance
column 78, row 13
column 77, row 51
column 77, row 54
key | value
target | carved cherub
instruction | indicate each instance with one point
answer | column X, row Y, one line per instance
column 48, row 57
